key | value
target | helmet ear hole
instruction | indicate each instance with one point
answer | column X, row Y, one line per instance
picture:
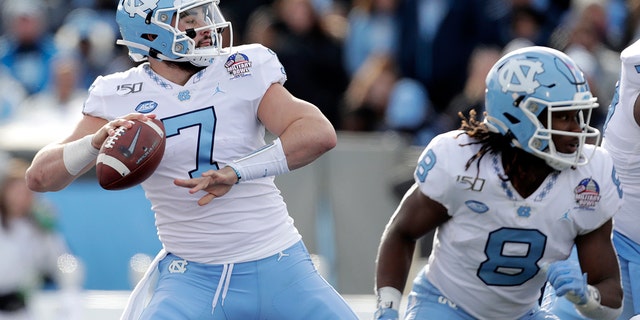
column 149, row 36
column 511, row 118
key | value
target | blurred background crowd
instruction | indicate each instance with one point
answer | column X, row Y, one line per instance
column 407, row 66
column 370, row 65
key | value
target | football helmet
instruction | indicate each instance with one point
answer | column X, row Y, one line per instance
column 529, row 81
column 149, row 28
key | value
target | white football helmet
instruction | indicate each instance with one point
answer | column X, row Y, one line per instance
column 149, row 28
column 527, row 82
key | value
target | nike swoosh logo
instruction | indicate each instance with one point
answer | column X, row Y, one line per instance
column 134, row 142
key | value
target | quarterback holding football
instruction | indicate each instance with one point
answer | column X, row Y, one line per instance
column 230, row 248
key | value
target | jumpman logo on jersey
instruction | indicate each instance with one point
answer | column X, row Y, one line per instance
column 218, row 90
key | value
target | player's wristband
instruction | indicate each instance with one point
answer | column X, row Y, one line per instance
column 592, row 309
column 389, row 297
column 237, row 174
column 78, row 154
column 269, row 160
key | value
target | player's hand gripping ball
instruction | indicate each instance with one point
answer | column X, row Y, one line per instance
column 131, row 155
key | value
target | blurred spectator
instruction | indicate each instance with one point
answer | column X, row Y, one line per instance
column 436, row 41
column 410, row 112
column 11, row 95
column 473, row 94
column 547, row 13
column 29, row 243
column 91, row 39
column 367, row 96
column 240, row 11
column 50, row 114
column 618, row 11
column 525, row 28
column 60, row 106
column 260, row 27
column 26, row 47
column 372, row 28
column 120, row 61
column 437, row 37
column 631, row 25
column 586, row 46
column 311, row 56
column 55, row 11
column 378, row 99
column 105, row 9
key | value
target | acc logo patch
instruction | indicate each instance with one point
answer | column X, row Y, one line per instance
column 587, row 193
column 139, row 7
column 238, row 65
column 146, row 106
column 476, row 206
column 518, row 75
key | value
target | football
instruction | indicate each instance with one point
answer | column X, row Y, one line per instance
column 131, row 155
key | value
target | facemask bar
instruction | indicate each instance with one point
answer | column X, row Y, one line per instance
column 196, row 18
column 543, row 136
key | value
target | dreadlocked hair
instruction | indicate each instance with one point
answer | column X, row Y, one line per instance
column 492, row 142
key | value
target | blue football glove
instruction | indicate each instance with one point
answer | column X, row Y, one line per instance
column 386, row 314
column 567, row 279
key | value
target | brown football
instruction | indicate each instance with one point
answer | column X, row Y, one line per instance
column 131, row 155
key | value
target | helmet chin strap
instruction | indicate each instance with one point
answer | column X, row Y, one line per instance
column 145, row 48
column 200, row 61
column 562, row 165
column 196, row 61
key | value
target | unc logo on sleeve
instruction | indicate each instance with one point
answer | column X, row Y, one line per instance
column 519, row 75
column 139, row 7
column 587, row 193
column 238, row 65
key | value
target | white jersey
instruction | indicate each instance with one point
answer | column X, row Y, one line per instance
column 209, row 122
column 488, row 257
column 622, row 140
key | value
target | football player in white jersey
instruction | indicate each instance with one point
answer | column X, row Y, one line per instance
column 509, row 197
column 230, row 248
column 620, row 138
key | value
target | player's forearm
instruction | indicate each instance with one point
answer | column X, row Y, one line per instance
column 594, row 308
column 393, row 263
column 392, row 269
column 57, row 165
column 47, row 171
column 306, row 140
column 610, row 293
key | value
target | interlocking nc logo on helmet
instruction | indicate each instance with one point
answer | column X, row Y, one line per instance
column 518, row 75
column 133, row 7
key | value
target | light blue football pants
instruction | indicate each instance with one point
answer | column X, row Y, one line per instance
column 426, row 302
column 283, row 286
